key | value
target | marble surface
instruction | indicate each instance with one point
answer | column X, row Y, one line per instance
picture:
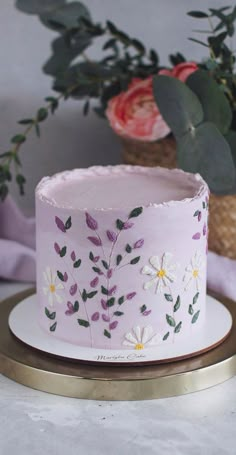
column 33, row 422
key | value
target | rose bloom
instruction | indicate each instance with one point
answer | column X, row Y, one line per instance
column 134, row 113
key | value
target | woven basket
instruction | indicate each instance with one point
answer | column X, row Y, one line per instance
column 222, row 219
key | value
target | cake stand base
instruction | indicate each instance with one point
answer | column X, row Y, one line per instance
column 36, row 369
column 23, row 322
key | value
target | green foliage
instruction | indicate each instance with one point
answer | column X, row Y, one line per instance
column 196, row 113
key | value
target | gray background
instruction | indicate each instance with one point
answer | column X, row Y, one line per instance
column 70, row 140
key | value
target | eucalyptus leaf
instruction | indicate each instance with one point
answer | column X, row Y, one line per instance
column 179, row 106
column 38, row 6
column 67, row 14
column 205, row 150
column 62, row 56
column 214, row 102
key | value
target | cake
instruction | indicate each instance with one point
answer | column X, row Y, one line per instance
column 121, row 256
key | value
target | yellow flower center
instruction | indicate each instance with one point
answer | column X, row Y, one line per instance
column 139, row 346
column 161, row 273
column 195, row 273
column 52, row 287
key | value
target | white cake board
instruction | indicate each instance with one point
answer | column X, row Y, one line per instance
column 217, row 327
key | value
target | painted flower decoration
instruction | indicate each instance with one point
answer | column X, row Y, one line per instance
column 51, row 288
column 162, row 272
column 139, row 337
column 193, row 275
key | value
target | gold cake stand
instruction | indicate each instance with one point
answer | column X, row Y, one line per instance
column 38, row 370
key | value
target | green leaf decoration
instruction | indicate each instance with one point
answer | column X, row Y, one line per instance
column 178, row 327
column 111, row 301
column 49, row 314
column 190, row 309
column 143, row 308
column 203, row 204
column 195, row 298
column 84, row 295
column 26, row 121
column 18, row 139
column 170, row 320
column 118, row 313
column 42, row 114
column 53, row 327
column 107, row 334
column 177, row 304
column 136, row 212
column 77, row 264
column 198, row 149
column 121, row 300
column 128, row 248
column 91, row 294
column 105, row 265
column 195, row 317
column 196, row 213
column 118, row 259
column 63, row 252
column 104, row 290
column 38, row 6
column 215, row 105
column 60, row 275
column 179, row 106
column 83, row 323
column 119, row 224
column 168, row 297
column 91, row 256
column 166, row 336
column 97, row 270
column 68, row 223
column 76, row 306
column 135, row 260
column 198, row 14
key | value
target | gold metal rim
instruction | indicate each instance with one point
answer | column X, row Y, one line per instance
column 39, row 371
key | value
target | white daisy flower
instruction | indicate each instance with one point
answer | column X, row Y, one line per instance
column 139, row 337
column 51, row 288
column 193, row 275
column 162, row 272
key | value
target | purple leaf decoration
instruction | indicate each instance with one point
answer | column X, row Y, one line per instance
column 105, row 318
column 60, row 224
column 199, row 215
column 95, row 240
column 113, row 325
column 73, row 256
column 65, row 276
column 147, row 312
column 112, row 236
column 112, row 290
column 94, row 282
column 96, row 259
column 109, row 273
column 204, row 231
column 196, row 236
column 127, row 225
column 70, row 306
column 95, row 316
column 131, row 295
column 139, row 243
column 73, row 289
column 57, row 248
column 69, row 312
column 91, row 222
column 104, row 304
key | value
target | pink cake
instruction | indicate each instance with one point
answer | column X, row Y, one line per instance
column 121, row 256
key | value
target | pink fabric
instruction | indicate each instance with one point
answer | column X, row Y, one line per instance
column 18, row 262
column 17, row 243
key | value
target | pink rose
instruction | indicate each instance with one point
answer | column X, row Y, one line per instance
column 134, row 113
column 181, row 71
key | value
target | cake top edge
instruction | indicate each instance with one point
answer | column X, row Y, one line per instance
column 48, row 184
